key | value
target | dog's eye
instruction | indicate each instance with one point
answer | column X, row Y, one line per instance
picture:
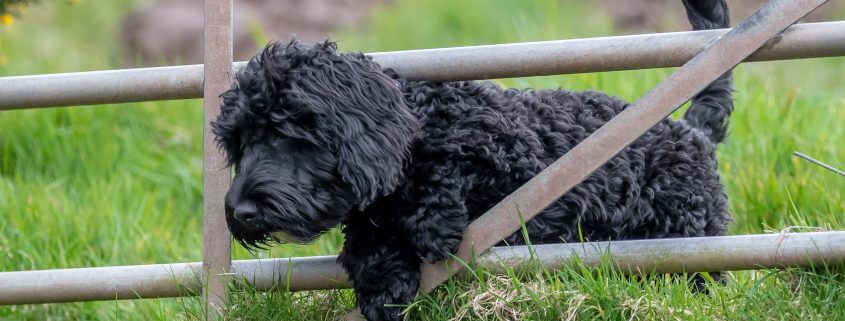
column 260, row 106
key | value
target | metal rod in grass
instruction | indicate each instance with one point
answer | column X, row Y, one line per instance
column 818, row 162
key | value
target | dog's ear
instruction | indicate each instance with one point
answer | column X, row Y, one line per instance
column 361, row 113
column 255, row 97
column 232, row 126
column 372, row 153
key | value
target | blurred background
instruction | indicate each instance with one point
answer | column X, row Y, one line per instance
column 121, row 184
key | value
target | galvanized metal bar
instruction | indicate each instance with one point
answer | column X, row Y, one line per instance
column 576, row 165
column 217, row 243
column 809, row 40
column 163, row 280
column 101, row 87
column 723, row 253
column 600, row 54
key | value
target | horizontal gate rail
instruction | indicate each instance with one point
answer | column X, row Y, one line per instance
column 702, row 254
column 823, row 39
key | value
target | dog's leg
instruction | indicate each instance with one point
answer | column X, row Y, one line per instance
column 699, row 283
column 436, row 223
column 384, row 270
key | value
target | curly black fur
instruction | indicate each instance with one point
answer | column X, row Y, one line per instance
column 320, row 138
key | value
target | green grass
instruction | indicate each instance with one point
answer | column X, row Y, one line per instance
column 114, row 185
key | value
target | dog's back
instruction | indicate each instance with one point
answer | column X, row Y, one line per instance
column 664, row 185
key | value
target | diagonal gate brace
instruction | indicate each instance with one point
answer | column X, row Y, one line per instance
column 576, row 165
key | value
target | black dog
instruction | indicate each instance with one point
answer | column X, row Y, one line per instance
column 320, row 138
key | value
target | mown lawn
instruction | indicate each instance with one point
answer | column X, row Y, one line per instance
column 121, row 184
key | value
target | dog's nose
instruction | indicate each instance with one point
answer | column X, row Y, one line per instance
column 246, row 212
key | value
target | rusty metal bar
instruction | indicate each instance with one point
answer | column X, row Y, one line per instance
column 722, row 253
column 576, row 165
column 809, row 40
column 217, row 243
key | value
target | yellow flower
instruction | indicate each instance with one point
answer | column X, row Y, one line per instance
column 3, row 60
column 6, row 19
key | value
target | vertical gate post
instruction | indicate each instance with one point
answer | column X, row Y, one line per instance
column 217, row 72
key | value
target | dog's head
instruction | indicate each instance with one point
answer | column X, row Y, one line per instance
column 311, row 134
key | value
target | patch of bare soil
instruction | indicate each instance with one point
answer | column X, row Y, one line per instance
column 171, row 31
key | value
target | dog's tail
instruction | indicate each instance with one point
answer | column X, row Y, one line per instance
column 711, row 108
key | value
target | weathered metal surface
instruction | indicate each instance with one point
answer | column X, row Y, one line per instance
column 461, row 63
column 317, row 273
column 700, row 254
column 100, row 283
column 100, row 87
column 571, row 169
column 599, row 54
column 163, row 280
column 217, row 244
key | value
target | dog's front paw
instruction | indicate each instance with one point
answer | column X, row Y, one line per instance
column 437, row 249
column 387, row 303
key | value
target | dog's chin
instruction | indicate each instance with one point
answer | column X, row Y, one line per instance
column 283, row 237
